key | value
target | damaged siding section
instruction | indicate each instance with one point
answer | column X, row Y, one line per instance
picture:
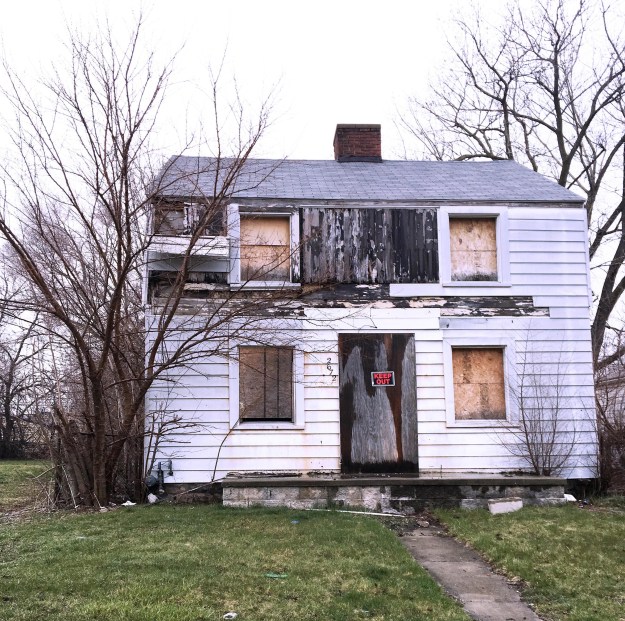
column 368, row 246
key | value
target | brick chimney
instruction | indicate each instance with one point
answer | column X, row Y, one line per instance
column 358, row 143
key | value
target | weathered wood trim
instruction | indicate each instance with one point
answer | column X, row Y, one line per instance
column 274, row 302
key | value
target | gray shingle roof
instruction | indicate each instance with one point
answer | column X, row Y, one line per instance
column 387, row 181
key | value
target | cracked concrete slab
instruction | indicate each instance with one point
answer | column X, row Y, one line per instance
column 485, row 595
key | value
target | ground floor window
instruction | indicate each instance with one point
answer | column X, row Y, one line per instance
column 479, row 383
column 265, row 383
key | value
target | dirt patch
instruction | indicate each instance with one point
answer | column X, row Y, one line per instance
column 406, row 525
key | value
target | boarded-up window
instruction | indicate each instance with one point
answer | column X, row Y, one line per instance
column 473, row 245
column 265, row 248
column 479, row 392
column 266, row 383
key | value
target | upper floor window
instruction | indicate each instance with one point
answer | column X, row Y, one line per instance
column 474, row 246
column 183, row 218
column 473, row 249
column 265, row 248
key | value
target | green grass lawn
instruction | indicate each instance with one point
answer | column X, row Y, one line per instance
column 17, row 487
column 197, row 563
column 571, row 560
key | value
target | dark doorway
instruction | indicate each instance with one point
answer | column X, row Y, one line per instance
column 378, row 400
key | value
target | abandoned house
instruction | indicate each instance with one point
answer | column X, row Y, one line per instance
column 411, row 319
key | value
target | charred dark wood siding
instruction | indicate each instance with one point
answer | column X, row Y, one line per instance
column 369, row 245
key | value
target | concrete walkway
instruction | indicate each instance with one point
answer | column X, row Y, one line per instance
column 485, row 595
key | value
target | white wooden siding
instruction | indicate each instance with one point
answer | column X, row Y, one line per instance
column 548, row 261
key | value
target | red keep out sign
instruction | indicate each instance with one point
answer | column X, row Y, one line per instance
column 383, row 378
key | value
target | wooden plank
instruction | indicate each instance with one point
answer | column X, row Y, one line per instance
column 572, row 301
column 577, row 236
column 524, row 267
column 326, row 405
column 429, row 392
column 532, row 215
column 191, row 405
column 200, row 469
column 523, row 327
column 553, row 280
column 430, row 347
column 539, row 254
column 430, row 381
column 244, row 439
column 428, row 358
column 565, row 312
column 431, row 404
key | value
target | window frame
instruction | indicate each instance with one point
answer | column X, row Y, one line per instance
column 298, row 393
column 509, row 375
column 234, row 213
column 502, row 238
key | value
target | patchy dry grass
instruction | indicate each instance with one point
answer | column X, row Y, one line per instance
column 179, row 563
column 18, row 489
column 571, row 560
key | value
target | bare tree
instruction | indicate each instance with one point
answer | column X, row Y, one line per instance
column 18, row 385
column 78, row 217
column 545, row 435
column 545, row 87
column 610, row 400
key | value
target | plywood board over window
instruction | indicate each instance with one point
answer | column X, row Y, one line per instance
column 473, row 249
column 265, row 248
column 266, row 383
column 479, row 390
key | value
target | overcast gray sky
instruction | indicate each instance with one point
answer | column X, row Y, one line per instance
column 335, row 62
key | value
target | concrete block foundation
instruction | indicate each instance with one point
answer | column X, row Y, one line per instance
column 406, row 495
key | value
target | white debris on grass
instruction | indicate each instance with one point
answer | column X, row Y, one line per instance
column 505, row 505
